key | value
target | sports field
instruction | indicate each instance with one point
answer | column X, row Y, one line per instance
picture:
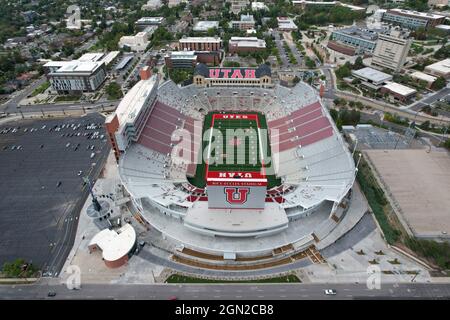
column 234, row 144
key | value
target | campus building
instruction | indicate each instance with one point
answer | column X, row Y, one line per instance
column 247, row 22
column 238, row 5
column 391, row 51
column 200, row 43
column 204, row 26
column 372, row 78
column 144, row 22
column 245, row 44
column 286, row 24
column 181, row 60
column 362, row 40
column 439, row 69
column 138, row 42
column 398, row 92
column 228, row 77
column 86, row 74
column 412, row 19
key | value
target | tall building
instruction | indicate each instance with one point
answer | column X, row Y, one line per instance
column 412, row 19
column 200, row 43
column 247, row 22
column 363, row 40
column 138, row 42
column 83, row 75
column 245, row 44
column 181, row 60
column 437, row 3
column 439, row 69
column 238, row 5
column 391, row 51
column 127, row 122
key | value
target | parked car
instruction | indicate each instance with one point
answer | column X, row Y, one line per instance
column 330, row 292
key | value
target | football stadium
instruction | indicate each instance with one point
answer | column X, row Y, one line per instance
column 231, row 165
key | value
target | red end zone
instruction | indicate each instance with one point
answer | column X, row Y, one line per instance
column 236, row 116
column 233, row 178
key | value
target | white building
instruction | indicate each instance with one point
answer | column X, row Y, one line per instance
column 286, row 24
column 83, row 75
column 149, row 21
column 138, row 42
column 152, row 5
column 259, row 6
column 238, row 5
column 372, row 78
column 117, row 246
column 439, row 69
column 203, row 26
column 437, row 3
column 174, row 3
column 245, row 44
column 391, row 51
column 420, row 76
column 247, row 22
column 398, row 92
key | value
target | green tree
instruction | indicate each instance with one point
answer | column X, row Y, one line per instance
column 439, row 83
column 18, row 268
column 113, row 91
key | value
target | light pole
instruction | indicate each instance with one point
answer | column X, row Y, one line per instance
column 20, row 110
column 95, row 202
column 354, row 148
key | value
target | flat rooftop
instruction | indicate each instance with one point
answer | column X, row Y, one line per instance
column 205, row 25
column 420, row 184
column 423, row 76
column 399, row 88
column 130, row 106
column 354, row 31
column 372, row 74
column 200, row 39
column 426, row 15
column 440, row 66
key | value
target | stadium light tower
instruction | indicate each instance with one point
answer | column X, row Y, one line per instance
column 95, row 202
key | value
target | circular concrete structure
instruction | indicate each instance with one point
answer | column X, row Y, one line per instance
column 315, row 168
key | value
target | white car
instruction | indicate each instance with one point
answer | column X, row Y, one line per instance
column 330, row 292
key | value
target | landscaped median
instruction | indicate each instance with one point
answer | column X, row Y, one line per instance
column 177, row 278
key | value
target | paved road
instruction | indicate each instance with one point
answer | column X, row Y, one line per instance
column 11, row 104
column 429, row 100
column 62, row 107
column 227, row 291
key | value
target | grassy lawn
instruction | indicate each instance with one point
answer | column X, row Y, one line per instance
column 199, row 179
column 40, row 89
column 176, row 278
column 67, row 98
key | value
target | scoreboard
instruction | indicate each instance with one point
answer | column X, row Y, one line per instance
column 236, row 190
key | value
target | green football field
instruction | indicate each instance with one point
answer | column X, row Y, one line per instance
column 238, row 150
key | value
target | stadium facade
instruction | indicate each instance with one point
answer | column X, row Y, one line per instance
column 294, row 193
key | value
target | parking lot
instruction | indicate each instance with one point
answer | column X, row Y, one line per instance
column 42, row 163
column 370, row 137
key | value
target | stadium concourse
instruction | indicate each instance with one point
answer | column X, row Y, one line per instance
column 312, row 166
